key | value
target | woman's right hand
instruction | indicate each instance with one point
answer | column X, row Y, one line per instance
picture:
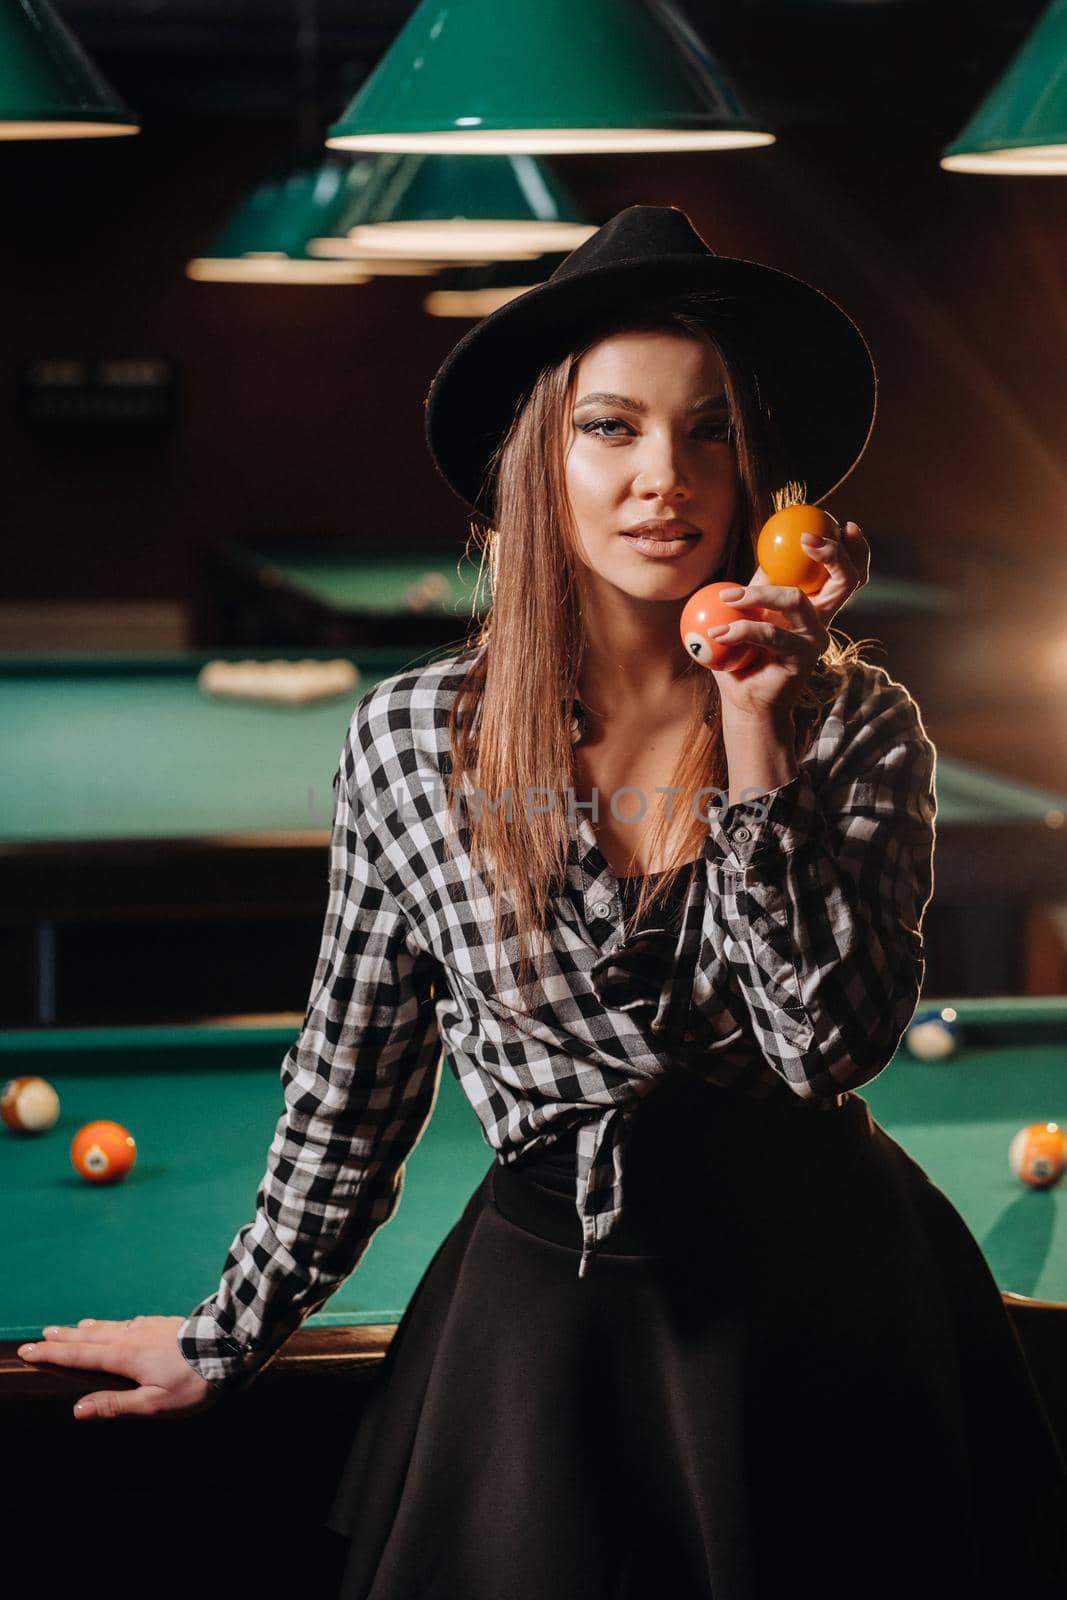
column 145, row 1350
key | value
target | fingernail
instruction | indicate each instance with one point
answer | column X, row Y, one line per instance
column 814, row 542
column 714, row 633
column 81, row 1409
column 47, row 1331
column 25, row 1349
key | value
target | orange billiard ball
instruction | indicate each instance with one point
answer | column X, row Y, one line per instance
column 782, row 556
column 103, row 1152
column 1038, row 1154
column 704, row 610
column 29, row 1105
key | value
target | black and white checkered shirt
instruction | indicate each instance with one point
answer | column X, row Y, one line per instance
column 795, row 970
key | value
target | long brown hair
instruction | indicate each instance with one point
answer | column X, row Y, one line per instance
column 509, row 727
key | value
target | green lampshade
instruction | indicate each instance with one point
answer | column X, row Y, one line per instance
column 1021, row 126
column 465, row 208
column 265, row 241
column 49, row 89
column 335, row 245
column 541, row 76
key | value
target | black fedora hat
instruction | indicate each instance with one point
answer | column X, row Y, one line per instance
column 815, row 374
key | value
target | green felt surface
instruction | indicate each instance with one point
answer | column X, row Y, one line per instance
column 957, row 1120
column 203, row 1103
column 903, row 595
column 970, row 794
column 129, row 748
column 366, row 580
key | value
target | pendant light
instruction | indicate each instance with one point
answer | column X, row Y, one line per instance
column 49, row 88
column 335, row 245
column 547, row 76
column 265, row 240
column 1021, row 125
column 334, row 249
column 462, row 208
column 474, row 292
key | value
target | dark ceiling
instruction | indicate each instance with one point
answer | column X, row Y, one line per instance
column 912, row 64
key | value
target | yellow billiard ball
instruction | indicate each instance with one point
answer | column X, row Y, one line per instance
column 782, row 556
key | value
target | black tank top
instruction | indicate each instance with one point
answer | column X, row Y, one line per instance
column 664, row 915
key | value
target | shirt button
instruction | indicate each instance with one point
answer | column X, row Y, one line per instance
column 742, row 834
column 602, row 909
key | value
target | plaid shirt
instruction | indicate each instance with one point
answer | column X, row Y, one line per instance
column 793, row 974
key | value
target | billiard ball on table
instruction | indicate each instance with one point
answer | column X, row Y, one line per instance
column 932, row 1036
column 1038, row 1154
column 103, row 1152
column 29, row 1105
column 430, row 589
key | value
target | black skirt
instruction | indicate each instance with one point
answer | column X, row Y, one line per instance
column 788, row 1371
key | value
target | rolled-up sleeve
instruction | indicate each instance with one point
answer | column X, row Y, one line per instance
column 824, row 883
column 359, row 1085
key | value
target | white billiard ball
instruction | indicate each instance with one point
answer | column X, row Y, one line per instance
column 932, row 1036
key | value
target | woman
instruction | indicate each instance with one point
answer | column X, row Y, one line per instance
column 702, row 1325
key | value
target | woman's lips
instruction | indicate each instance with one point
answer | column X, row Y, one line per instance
column 653, row 545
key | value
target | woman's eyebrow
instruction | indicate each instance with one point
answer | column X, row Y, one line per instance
column 704, row 402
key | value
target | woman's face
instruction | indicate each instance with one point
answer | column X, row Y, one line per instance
column 648, row 442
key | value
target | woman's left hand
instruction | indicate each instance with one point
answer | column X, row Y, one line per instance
column 795, row 632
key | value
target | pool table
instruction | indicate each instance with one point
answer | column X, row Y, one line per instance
column 149, row 831
column 295, row 592
column 202, row 1103
column 242, row 1490
column 136, row 810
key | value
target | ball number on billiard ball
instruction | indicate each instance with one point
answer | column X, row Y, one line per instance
column 703, row 611
column 29, row 1105
column 103, row 1152
column 932, row 1036
column 782, row 556
column 1038, row 1154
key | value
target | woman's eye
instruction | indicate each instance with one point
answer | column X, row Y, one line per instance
column 603, row 422
column 721, row 430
